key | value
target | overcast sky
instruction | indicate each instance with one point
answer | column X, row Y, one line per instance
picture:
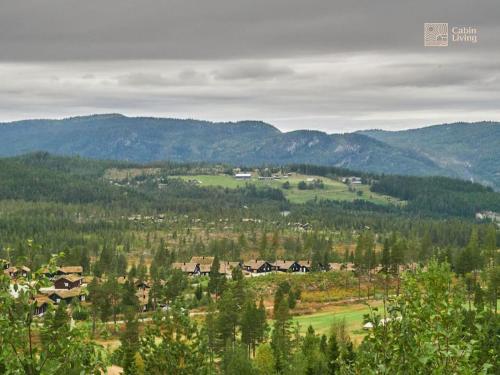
column 331, row 65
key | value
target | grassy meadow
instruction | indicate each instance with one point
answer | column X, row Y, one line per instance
column 333, row 189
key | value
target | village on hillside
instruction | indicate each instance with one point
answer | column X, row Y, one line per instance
column 69, row 284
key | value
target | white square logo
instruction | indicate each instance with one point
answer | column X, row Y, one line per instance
column 436, row 35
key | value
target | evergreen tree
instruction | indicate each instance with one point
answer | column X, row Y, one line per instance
column 281, row 336
column 130, row 344
column 332, row 355
column 386, row 256
column 264, row 360
column 215, row 282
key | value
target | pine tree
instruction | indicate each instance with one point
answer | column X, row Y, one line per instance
column 130, row 344
column 248, row 326
column 281, row 336
column 264, row 360
column 227, row 320
column 215, row 282
column 332, row 356
column 386, row 255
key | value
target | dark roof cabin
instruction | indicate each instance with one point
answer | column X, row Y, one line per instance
column 257, row 266
column 286, row 266
column 306, row 265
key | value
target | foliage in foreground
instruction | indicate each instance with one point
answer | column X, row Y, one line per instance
column 49, row 345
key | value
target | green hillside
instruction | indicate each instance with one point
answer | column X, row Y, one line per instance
column 471, row 151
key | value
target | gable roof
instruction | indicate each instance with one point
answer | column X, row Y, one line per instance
column 304, row 263
column 255, row 264
column 227, row 267
column 63, row 293
column 284, row 264
column 205, row 268
column 13, row 269
column 71, row 269
column 202, row 260
column 71, row 278
column 185, row 267
column 41, row 299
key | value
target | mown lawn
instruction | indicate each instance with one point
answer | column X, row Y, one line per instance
column 334, row 190
column 351, row 315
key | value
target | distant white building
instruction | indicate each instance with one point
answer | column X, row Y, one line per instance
column 488, row 215
column 352, row 180
column 243, row 176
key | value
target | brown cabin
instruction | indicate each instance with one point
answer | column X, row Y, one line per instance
column 187, row 267
column 42, row 304
column 226, row 268
column 67, row 295
column 70, row 270
column 68, row 282
column 202, row 260
column 15, row 272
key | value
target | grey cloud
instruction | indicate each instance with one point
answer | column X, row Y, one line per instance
column 185, row 77
column 222, row 29
column 253, row 70
column 334, row 65
column 142, row 79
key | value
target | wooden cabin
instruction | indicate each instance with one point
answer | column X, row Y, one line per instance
column 191, row 269
column 42, row 303
column 67, row 295
column 68, row 282
column 286, row 266
column 257, row 266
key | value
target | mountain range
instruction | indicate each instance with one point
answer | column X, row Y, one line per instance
column 466, row 150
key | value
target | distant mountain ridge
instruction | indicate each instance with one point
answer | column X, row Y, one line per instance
column 428, row 151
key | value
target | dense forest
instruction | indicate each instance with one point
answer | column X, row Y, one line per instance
column 423, row 271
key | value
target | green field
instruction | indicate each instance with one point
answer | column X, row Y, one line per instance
column 333, row 189
column 322, row 322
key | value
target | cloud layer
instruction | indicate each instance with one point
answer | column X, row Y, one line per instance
column 330, row 65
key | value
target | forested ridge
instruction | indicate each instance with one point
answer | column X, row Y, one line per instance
column 439, row 194
column 450, row 149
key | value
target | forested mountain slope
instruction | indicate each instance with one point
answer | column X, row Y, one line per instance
column 467, row 151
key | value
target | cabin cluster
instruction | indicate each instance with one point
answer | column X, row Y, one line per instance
column 68, row 284
column 202, row 265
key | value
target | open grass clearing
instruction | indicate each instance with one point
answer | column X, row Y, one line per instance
column 333, row 189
